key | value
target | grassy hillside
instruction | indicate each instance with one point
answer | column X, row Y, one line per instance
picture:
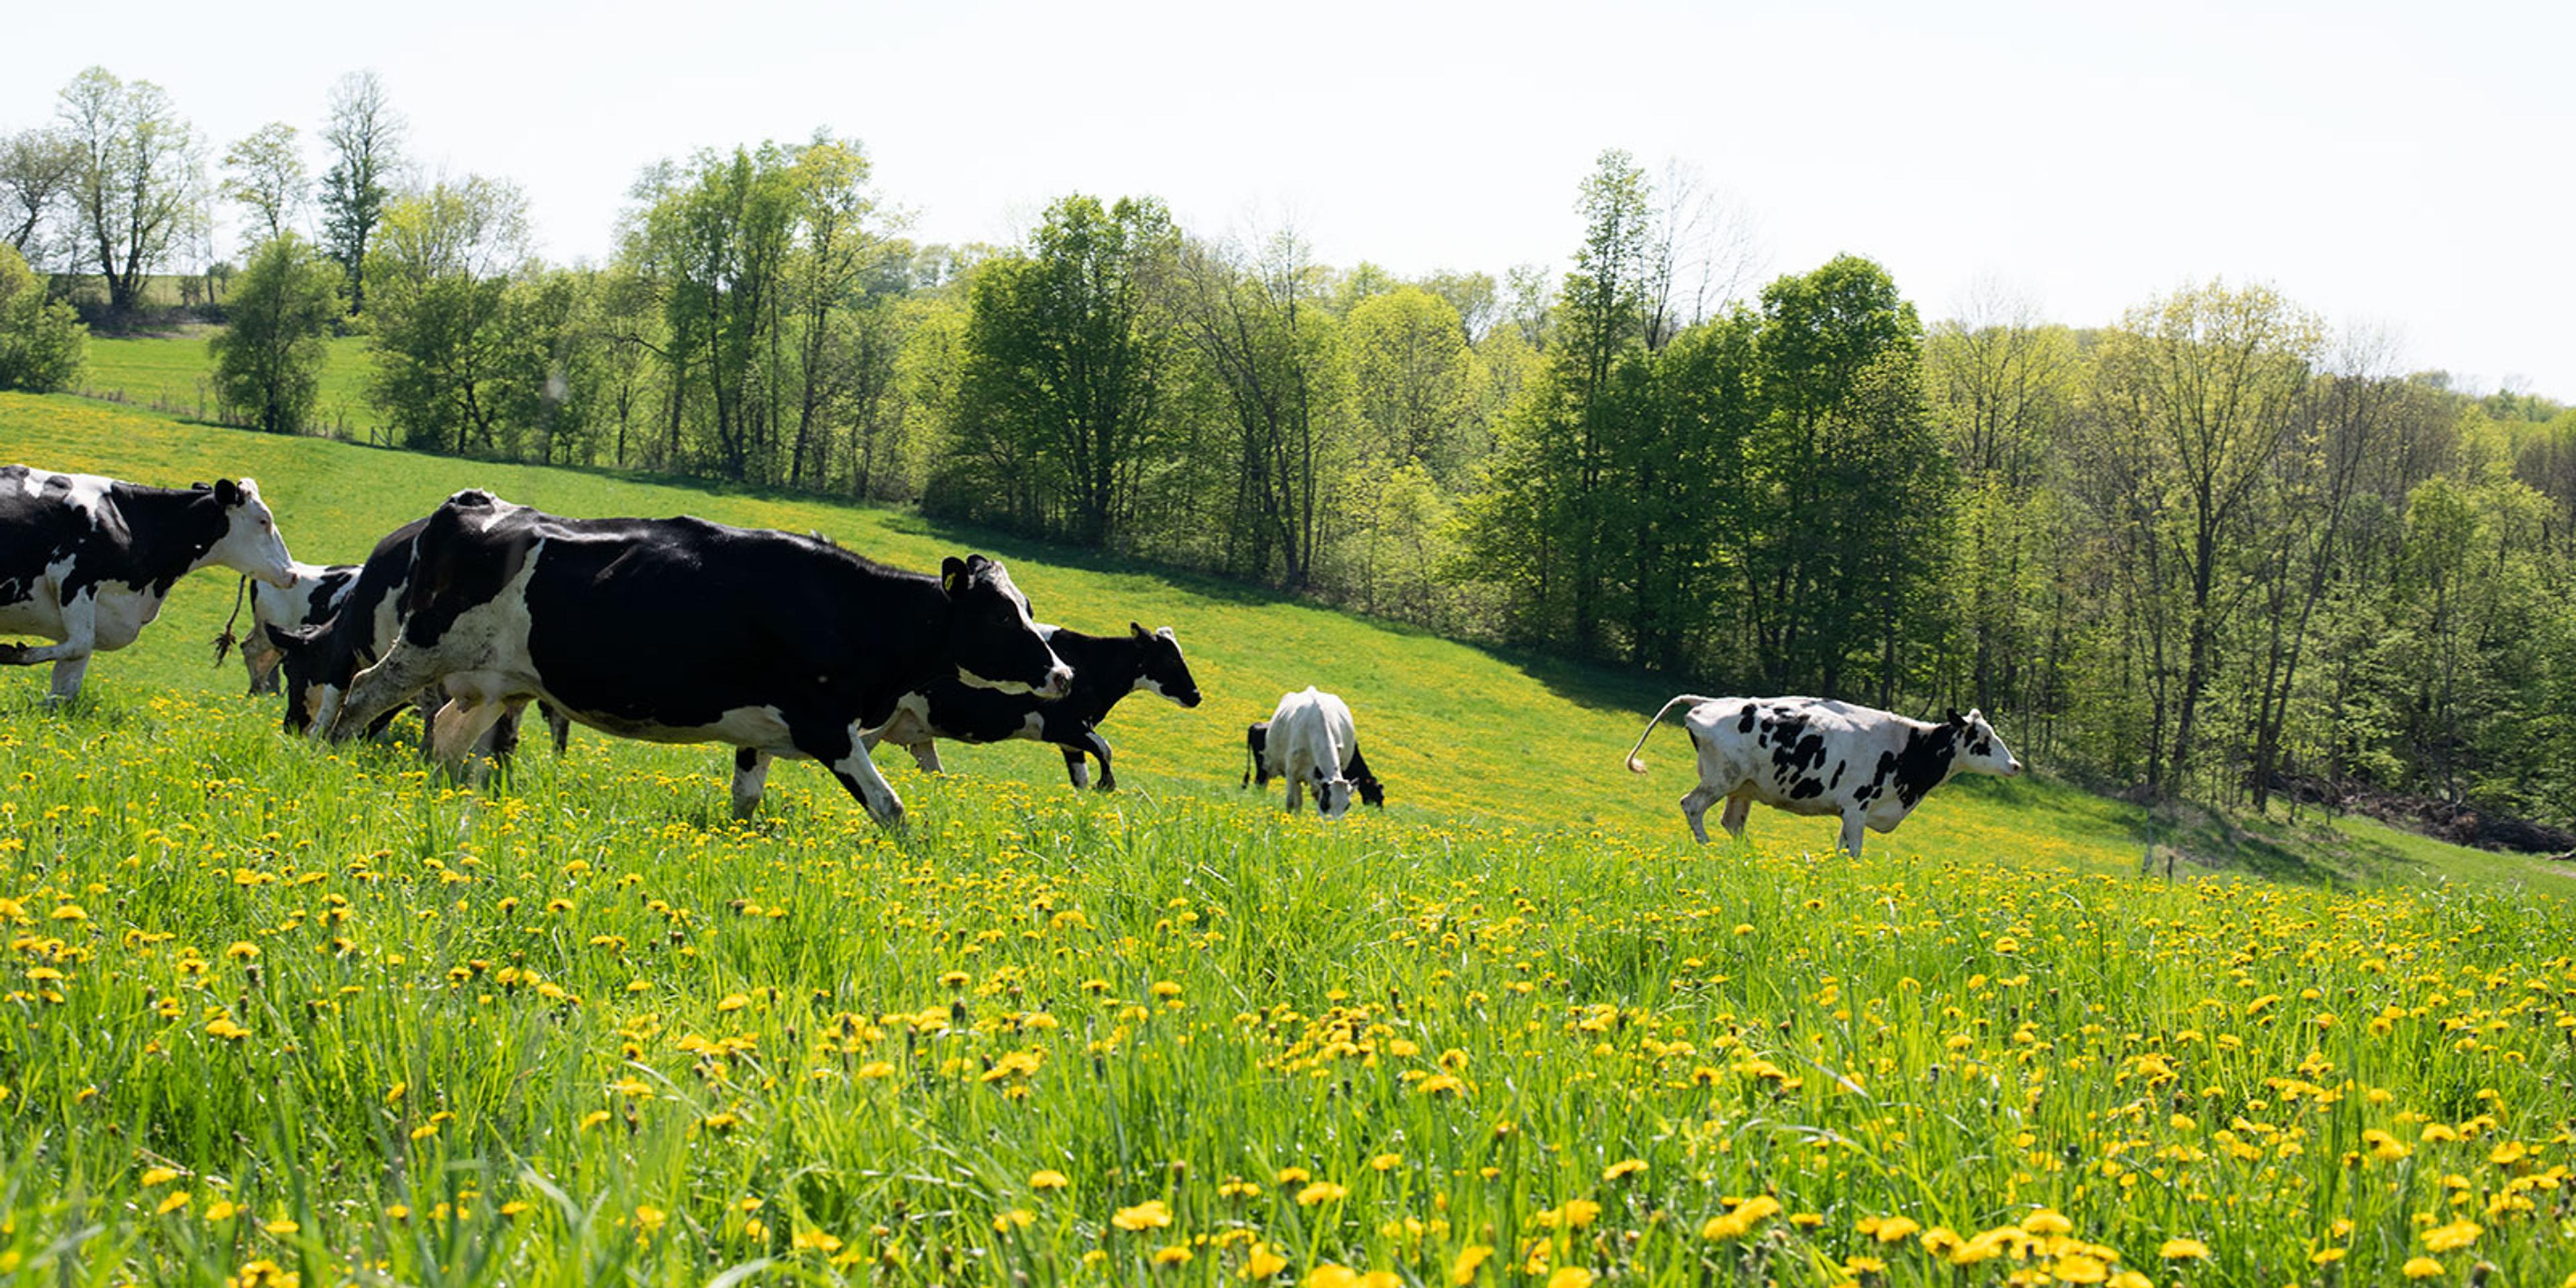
column 280, row 1013
column 1457, row 732
column 174, row 374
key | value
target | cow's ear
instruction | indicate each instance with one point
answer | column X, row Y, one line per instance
column 1138, row 630
column 1956, row 718
column 226, row 494
column 952, row 576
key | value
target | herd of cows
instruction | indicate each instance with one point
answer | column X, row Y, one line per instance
column 483, row 606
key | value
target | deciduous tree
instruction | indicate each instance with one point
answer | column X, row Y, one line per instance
column 269, row 357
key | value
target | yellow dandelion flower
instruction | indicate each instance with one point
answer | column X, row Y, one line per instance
column 2183, row 1249
column 159, row 1176
column 1262, row 1262
column 1152, row 1214
column 1048, row 1179
column 2453, row 1237
column 2421, row 1268
column 1623, row 1169
column 1570, row 1277
column 1471, row 1258
column 1320, row 1192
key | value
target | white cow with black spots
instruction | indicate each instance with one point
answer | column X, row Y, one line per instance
column 87, row 561
column 1816, row 756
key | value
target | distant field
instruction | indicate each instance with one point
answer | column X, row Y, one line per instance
column 174, row 374
column 284, row 1010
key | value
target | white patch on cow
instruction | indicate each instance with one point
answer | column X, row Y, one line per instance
column 749, row 783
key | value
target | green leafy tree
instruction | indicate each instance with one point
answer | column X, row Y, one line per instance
column 136, row 188
column 440, row 276
column 264, row 174
column 269, row 358
column 1413, row 370
column 38, row 169
column 1066, row 356
column 42, row 341
column 365, row 135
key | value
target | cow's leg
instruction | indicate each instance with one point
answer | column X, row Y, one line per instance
column 501, row 742
column 67, row 677
column 1297, row 792
column 1099, row 749
column 1737, row 806
column 750, row 776
column 1851, row 832
column 1077, row 767
column 404, row 670
column 843, row 750
column 925, row 753
column 557, row 723
column 1695, row 809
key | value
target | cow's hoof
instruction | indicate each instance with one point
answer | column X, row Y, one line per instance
column 13, row 655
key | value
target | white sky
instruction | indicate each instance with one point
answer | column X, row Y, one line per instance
column 2410, row 167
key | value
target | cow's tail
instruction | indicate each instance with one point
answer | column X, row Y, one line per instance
column 1636, row 764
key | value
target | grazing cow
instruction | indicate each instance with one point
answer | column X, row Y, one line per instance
column 1106, row 668
column 681, row 630
column 1814, row 756
column 1256, row 739
column 311, row 601
column 320, row 659
column 86, row 561
column 1311, row 741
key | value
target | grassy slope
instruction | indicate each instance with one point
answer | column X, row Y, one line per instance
column 174, row 373
column 1457, row 732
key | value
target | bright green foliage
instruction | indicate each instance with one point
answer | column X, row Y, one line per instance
column 451, row 372
column 42, row 341
column 1415, row 378
column 365, row 134
column 1064, row 370
column 269, row 359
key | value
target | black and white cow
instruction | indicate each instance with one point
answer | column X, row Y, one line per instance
column 312, row 600
column 1816, row 756
column 87, row 561
column 320, row 660
column 1256, row 740
column 1312, row 742
column 1106, row 668
column 681, row 630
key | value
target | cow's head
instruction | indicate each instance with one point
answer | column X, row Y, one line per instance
column 251, row 543
column 301, row 659
column 1371, row 790
column 1332, row 792
column 990, row 635
column 1159, row 668
column 1980, row 751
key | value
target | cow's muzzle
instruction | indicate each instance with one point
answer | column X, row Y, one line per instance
column 1059, row 682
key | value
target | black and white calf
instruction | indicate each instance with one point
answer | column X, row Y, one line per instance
column 87, row 561
column 313, row 599
column 1256, row 740
column 1312, row 742
column 1815, row 756
column 1106, row 668
column 680, row 630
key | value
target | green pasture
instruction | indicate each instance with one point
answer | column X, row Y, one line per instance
column 280, row 1012
column 174, row 374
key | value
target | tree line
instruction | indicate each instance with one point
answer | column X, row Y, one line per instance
column 2210, row 550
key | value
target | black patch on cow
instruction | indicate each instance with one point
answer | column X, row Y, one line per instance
column 1839, row 767
column 745, row 760
column 1925, row 762
column 1371, row 790
column 1806, row 789
column 1256, row 740
column 1796, row 753
column 1744, row 723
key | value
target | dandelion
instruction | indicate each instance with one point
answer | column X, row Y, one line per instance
column 159, row 1176
column 1570, row 1277
column 1891, row 1229
column 1320, row 1192
column 2421, row 1268
column 814, row 1241
column 2182, row 1249
column 1386, row 1162
column 1172, row 1255
column 282, row 1226
column 1329, row 1275
column 1048, row 1179
column 174, row 1201
column 1262, row 1262
column 1152, row 1214
column 2453, row 1237
column 1623, row 1169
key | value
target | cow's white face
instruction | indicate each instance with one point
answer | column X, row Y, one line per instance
column 1980, row 751
column 251, row 542
column 1332, row 795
